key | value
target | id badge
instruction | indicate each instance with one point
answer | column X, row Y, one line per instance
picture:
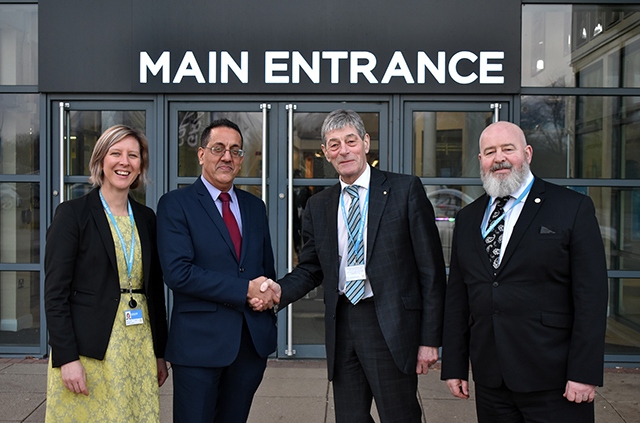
column 133, row 317
column 355, row 273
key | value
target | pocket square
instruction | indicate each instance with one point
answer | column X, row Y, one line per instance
column 545, row 230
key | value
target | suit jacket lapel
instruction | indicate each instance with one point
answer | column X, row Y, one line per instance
column 247, row 215
column 529, row 211
column 378, row 194
column 211, row 210
column 331, row 213
column 100, row 218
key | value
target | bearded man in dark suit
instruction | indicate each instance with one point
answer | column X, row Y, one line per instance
column 527, row 293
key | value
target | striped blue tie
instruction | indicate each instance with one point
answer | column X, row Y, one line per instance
column 354, row 290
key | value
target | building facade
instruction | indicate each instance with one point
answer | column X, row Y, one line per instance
column 427, row 77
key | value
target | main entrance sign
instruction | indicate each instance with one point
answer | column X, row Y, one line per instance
column 284, row 67
column 283, row 47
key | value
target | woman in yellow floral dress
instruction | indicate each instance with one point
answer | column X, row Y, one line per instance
column 104, row 294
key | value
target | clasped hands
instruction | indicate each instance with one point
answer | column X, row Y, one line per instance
column 263, row 293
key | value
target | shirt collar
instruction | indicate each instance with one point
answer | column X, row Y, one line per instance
column 362, row 181
column 215, row 192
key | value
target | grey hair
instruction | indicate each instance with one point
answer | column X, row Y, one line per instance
column 341, row 118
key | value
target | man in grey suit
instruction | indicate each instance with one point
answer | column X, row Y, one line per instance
column 383, row 308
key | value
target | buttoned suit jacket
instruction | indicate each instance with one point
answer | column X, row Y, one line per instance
column 82, row 285
column 540, row 319
column 404, row 264
column 208, row 281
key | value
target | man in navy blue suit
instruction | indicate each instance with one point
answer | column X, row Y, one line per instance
column 215, row 247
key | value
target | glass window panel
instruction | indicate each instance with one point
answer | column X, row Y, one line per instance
column 308, row 312
column 445, row 144
column 308, row 159
column 18, row 44
column 86, row 126
column 623, row 324
column 19, row 308
column 618, row 213
column 583, row 136
column 190, row 127
column 20, row 222
column 447, row 200
column 253, row 189
column 19, row 133
column 580, row 45
column 84, row 129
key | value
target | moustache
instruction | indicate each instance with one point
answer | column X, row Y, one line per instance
column 505, row 165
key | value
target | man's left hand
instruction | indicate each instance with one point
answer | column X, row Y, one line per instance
column 427, row 356
column 579, row 392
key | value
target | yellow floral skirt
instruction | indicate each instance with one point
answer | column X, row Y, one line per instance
column 122, row 388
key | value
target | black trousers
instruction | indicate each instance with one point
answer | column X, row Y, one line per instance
column 501, row 405
column 364, row 369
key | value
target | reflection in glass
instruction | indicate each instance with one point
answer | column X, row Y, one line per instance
column 20, row 308
column 308, row 159
column 583, row 136
column 86, row 126
column 84, row 129
column 618, row 213
column 308, row 312
column 253, row 189
column 623, row 324
column 446, row 143
column 19, row 44
column 190, row 127
column 560, row 42
column 20, row 222
column 19, row 133
column 447, row 201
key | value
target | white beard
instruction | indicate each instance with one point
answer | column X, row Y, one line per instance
column 502, row 187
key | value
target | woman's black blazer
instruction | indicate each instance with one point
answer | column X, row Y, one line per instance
column 82, row 289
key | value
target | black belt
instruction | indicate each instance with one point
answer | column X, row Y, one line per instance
column 133, row 291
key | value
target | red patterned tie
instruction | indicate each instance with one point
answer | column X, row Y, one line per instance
column 230, row 221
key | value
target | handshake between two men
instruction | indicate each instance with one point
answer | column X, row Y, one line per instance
column 263, row 293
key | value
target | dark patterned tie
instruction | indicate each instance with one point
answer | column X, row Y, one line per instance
column 354, row 290
column 493, row 241
column 230, row 221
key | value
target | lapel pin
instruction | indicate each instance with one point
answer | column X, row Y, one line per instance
column 384, row 192
column 537, row 200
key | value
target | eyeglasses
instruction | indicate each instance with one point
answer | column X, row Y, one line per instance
column 218, row 150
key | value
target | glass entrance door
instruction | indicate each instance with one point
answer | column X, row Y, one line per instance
column 311, row 173
column 282, row 144
column 441, row 147
column 78, row 125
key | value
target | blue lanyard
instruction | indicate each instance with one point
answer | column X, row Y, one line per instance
column 360, row 231
column 128, row 256
column 486, row 232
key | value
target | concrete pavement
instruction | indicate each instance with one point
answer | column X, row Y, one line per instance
column 297, row 391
